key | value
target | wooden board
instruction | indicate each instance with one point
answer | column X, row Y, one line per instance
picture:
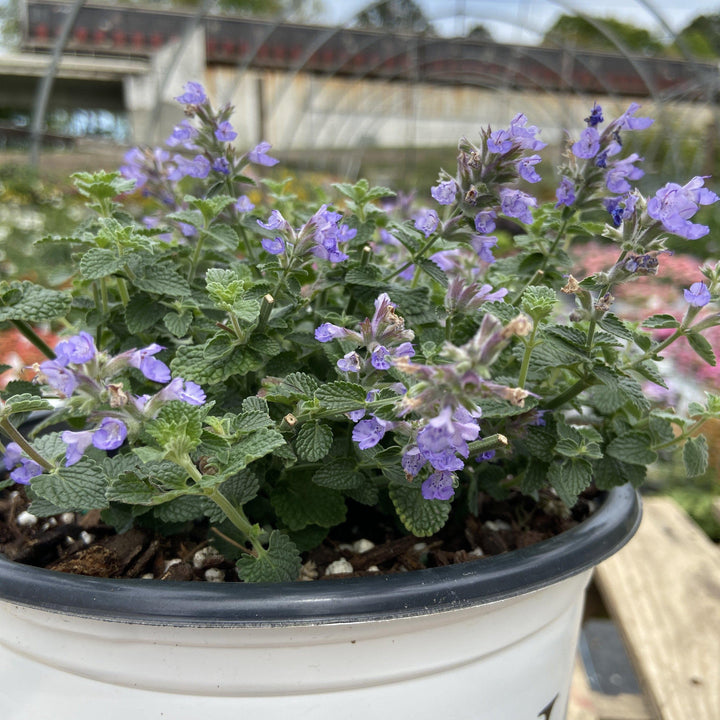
column 663, row 590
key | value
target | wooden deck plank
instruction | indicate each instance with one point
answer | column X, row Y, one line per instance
column 663, row 590
column 580, row 702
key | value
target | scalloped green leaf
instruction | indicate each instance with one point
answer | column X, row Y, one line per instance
column 339, row 474
column 32, row 303
column 695, row 456
column 341, row 396
column 300, row 503
column 23, row 403
column 80, row 487
column 420, row 516
column 279, row 563
column 98, row 263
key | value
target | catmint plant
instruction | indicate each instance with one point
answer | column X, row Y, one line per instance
column 240, row 359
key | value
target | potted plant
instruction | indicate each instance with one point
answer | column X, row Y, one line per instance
column 268, row 373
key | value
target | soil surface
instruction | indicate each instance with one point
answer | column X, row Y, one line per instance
column 363, row 545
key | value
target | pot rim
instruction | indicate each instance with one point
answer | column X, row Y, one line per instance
column 381, row 597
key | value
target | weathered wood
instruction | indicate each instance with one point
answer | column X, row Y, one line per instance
column 580, row 702
column 663, row 590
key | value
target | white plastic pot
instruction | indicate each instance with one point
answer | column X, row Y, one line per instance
column 492, row 639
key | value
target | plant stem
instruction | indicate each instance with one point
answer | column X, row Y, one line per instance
column 34, row 338
column 529, row 345
column 414, row 260
column 123, row 291
column 684, row 435
column 19, row 438
column 237, row 517
column 567, row 394
column 196, row 256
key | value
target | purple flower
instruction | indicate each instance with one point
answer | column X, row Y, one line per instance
column 404, row 349
column 627, row 122
column 412, row 460
column 596, row 116
column 152, row 368
column 697, row 295
column 225, row 132
column 110, row 435
column 588, row 145
column 25, row 471
column 194, row 94
column 198, row 167
column 58, row 377
column 517, row 204
column 483, row 247
column 327, row 332
column 621, row 208
column 328, row 234
column 221, row 165
column 565, row 193
column 499, row 142
column 622, row 171
column 134, row 167
column 378, row 357
column 183, row 135
column 485, row 222
column 244, row 204
column 183, row 390
column 673, row 205
column 426, row 221
column 274, row 246
column 368, row 433
column 187, row 230
column 77, row 443
column 527, row 171
column 444, row 192
column 78, row 349
column 446, row 435
column 275, row 222
column 523, row 135
column 13, row 455
column 487, row 455
column 259, row 156
column 438, row 486
column 485, row 294
column 350, row 362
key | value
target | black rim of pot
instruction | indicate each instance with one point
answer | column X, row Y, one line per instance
column 335, row 601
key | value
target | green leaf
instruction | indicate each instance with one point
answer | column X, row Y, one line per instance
column 23, row 403
column 279, row 563
column 535, row 477
column 649, row 370
column 634, row 448
column 610, row 473
column 161, row 278
column 98, row 263
column 142, row 313
column 178, row 427
column 252, row 420
column 255, row 404
column 538, row 302
column 433, row 271
column 313, row 441
column 339, row 474
column 182, row 509
column 612, row 324
column 298, row 385
column 420, row 516
column 224, row 235
column 33, row 303
column 210, row 207
column 133, row 490
column 101, row 185
column 661, row 320
column 695, row 456
column 701, row 345
column 80, row 487
column 177, row 323
column 257, row 444
column 300, row 502
column 540, row 442
column 341, row 396
column 570, row 478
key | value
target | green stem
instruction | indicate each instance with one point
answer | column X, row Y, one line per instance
column 19, row 438
column 237, row 517
column 104, row 296
column 196, row 256
column 123, row 291
column 684, row 435
column 529, row 345
column 34, row 338
column 418, row 254
column 567, row 394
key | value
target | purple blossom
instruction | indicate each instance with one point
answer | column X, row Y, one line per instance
column 78, row 349
column 444, row 192
column 13, row 455
column 621, row 208
column 499, row 142
column 77, row 443
column 58, row 377
column 275, row 222
column 412, row 460
column 350, row 362
column 523, row 135
column 596, row 116
column 183, row 135
column 225, row 132
column 485, row 222
column 368, row 433
column 183, row 390
column 588, row 145
column 221, row 165
column 527, row 171
column 487, row 455
column 697, row 295
column 404, row 349
column 446, row 435
column 565, row 193
column 485, row 294
column 426, row 221
column 110, row 435
column 378, row 357
column 328, row 234
column 274, row 246
column 152, row 368
column 194, row 94
column 622, row 171
column 134, row 167
column 198, row 167
column 483, row 247
column 627, row 122
column 244, row 204
column 673, row 205
column 438, row 486
column 27, row 470
column 259, row 156
column 327, row 332
column 187, row 230
column 517, row 204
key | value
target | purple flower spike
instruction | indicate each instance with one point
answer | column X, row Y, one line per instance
column 426, row 221
column 274, row 246
column 244, row 204
column 627, row 122
column 110, row 435
column 225, row 132
column 13, row 455
column 588, row 145
column 413, row 460
column 673, row 205
column 622, row 171
column 275, row 222
column 221, row 165
column 527, row 171
column 485, row 222
column 58, row 377
column 152, row 368
column 368, row 433
column 183, row 135
column 78, row 349
column 194, row 94
column 596, row 116
column 77, row 443
column 444, row 192
column 183, row 390
column 198, row 167
column 27, row 470
column 378, row 358
column 327, row 332
column 499, row 142
column 517, row 204
column 697, row 295
column 565, row 193
column 350, row 362
column 483, row 247
column 259, row 156
column 439, row 486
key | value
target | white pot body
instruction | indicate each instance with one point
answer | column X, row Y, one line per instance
column 505, row 660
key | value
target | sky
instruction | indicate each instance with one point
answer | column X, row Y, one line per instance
column 525, row 21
